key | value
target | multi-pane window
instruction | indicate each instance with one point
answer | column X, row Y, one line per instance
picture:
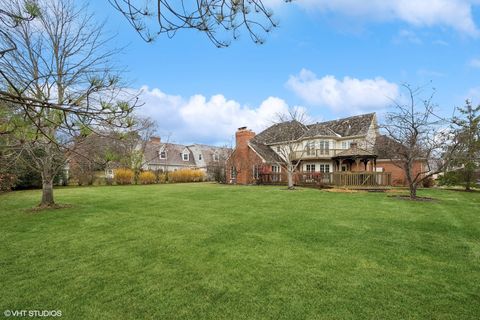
column 216, row 157
column 344, row 144
column 185, row 156
column 324, row 147
column 233, row 173
column 163, row 155
column 324, row 168
column 310, row 168
column 276, row 177
column 311, row 148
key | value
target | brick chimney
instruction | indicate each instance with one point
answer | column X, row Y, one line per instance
column 155, row 140
column 242, row 137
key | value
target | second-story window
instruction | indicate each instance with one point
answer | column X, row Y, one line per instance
column 216, row 157
column 311, row 148
column 185, row 156
column 324, row 147
column 200, row 156
column 163, row 155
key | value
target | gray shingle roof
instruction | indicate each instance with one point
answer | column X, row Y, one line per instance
column 354, row 152
column 351, row 126
column 285, row 131
column 174, row 154
column 265, row 152
column 386, row 148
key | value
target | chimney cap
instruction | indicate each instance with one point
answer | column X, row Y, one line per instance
column 242, row 128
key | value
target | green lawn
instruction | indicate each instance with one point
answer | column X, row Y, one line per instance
column 202, row 251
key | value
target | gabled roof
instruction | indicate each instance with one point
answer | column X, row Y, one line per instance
column 280, row 132
column 354, row 152
column 319, row 130
column 174, row 154
column 265, row 152
column 351, row 126
column 385, row 147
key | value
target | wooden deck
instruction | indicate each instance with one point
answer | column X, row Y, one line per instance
column 351, row 180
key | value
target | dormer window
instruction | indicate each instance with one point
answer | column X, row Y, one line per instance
column 162, row 153
column 200, row 156
column 216, row 157
column 185, row 154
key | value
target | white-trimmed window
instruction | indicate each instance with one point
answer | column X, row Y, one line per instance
column 310, row 168
column 311, row 148
column 185, row 156
column 344, row 144
column 216, row 157
column 199, row 156
column 163, row 154
column 275, row 169
column 324, row 147
column 325, row 168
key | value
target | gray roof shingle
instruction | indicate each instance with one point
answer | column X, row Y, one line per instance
column 280, row 132
column 265, row 152
column 351, row 126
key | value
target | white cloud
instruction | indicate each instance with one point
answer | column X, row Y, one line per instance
column 199, row 119
column 349, row 95
column 456, row 14
column 475, row 63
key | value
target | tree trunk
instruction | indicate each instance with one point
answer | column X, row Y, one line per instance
column 413, row 190
column 290, row 179
column 412, row 185
column 47, row 191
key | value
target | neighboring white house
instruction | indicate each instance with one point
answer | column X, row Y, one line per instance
column 169, row 157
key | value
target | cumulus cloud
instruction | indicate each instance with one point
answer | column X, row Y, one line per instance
column 349, row 95
column 207, row 120
column 456, row 14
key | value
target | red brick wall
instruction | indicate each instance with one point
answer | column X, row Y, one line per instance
column 398, row 174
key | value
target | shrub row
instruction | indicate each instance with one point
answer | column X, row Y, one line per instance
column 186, row 175
column 125, row 176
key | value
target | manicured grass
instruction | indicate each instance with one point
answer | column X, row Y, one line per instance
column 202, row 251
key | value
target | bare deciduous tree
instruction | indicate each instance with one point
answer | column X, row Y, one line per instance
column 415, row 134
column 291, row 150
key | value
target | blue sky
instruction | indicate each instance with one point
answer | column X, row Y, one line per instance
column 333, row 58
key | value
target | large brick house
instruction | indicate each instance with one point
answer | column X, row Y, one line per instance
column 351, row 144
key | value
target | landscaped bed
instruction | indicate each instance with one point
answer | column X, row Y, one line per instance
column 205, row 251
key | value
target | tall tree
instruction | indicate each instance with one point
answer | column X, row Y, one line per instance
column 416, row 139
column 219, row 20
column 467, row 134
column 61, row 81
column 291, row 150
